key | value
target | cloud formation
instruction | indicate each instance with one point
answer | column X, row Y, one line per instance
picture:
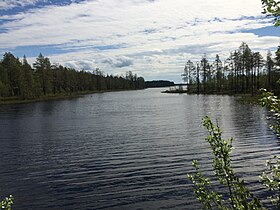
column 154, row 38
column 8, row 4
column 81, row 65
column 119, row 62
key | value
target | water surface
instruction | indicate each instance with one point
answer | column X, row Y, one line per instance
column 123, row 150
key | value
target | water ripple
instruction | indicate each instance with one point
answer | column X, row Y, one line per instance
column 124, row 150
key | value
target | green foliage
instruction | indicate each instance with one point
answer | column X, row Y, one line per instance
column 272, row 7
column 244, row 71
column 239, row 196
column 271, row 179
column 271, row 176
column 18, row 79
column 272, row 102
column 7, row 202
column 208, row 198
column 243, row 66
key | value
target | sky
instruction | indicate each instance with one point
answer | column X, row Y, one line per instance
column 152, row 38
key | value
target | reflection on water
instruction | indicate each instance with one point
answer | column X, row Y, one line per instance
column 122, row 150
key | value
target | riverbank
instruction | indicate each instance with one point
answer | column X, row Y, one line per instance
column 247, row 98
column 175, row 91
column 18, row 100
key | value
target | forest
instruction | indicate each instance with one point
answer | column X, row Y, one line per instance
column 244, row 71
column 158, row 83
column 18, row 79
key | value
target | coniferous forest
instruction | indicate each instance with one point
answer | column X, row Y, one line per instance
column 244, row 71
column 18, row 79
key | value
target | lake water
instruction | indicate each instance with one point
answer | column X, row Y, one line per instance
column 123, row 150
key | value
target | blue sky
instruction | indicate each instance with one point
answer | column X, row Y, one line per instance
column 152, row 38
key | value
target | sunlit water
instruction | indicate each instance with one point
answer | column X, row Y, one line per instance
column 123, row 150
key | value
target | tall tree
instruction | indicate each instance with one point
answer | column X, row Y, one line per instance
column 189, row 68
column 13, row 67
column 197, row 77
column 4, row 81
column 205, row 67
column 258, row 64
column 277, row 57
column 218, row 65
column 229, row 66
column 42, row 67
column 246, row 58
column 269, row 68
column 28, row 79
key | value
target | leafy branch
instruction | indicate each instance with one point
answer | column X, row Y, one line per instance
column 271, row 176
column 271, row 179
column 239, row 196
column 272, row 103
column 272, row 7
column 7, row 202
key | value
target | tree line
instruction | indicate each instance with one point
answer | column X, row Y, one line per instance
column 158, row 83
column 19, row 79
column 244, row 71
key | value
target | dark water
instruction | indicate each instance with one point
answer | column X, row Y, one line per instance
column 122, row 150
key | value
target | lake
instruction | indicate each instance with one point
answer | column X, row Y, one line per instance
column 123, row 150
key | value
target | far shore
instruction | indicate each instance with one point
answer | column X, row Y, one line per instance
column 19, row 100
column 241, row 97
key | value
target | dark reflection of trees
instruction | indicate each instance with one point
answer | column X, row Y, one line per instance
column 47, row 108
column 253, row 120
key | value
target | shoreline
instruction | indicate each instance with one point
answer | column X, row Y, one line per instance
column 18, row 100
column 241, row 97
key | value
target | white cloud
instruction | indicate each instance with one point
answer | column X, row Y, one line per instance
column 8, row 4
column 81, row 64
column 155, row 37
column 118, row 62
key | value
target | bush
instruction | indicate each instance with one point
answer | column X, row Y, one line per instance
column 239, row 196
column 7, row 202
